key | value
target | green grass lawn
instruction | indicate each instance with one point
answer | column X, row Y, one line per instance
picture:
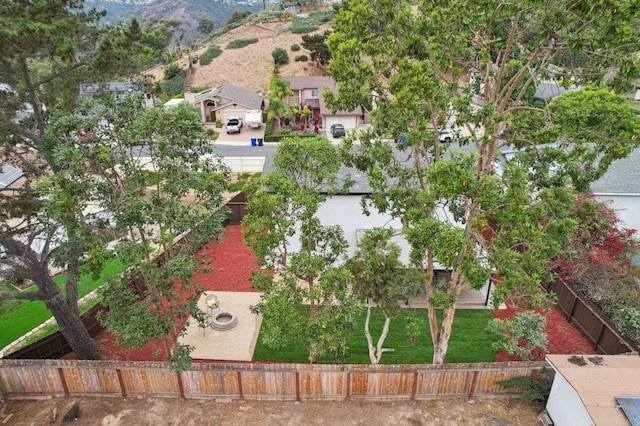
column 23, row 316
column 469, row 341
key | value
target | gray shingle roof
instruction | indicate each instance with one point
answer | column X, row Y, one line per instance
column 360, row 186
column 226, row 94
column 8, row 175
column 623, row 177
column 116, row 87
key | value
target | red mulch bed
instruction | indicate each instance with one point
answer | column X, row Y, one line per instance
column 231, row 267
column 230, row 270
column 562, row 337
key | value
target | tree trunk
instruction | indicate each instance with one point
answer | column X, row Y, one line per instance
column 442, row 346
column 383, row 337
column 367, row 334
column 73, row 329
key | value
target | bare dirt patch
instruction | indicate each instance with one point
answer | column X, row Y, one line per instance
column 165, row 411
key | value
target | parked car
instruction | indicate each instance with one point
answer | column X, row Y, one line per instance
column 445, row 135
column 234, row 124
column 337, row 130
column 194, row 59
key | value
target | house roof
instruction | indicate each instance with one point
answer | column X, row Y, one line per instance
column 116, row 87
column 622, row 177
column 8, row 175
column 599, row 381
column 319, row 83
column 227, row 94
column 360, row 186
column 547, row 90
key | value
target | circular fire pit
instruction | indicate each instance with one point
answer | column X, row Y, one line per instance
column 224, row 321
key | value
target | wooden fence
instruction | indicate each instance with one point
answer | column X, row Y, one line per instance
column 21, row 379
column 587, row 317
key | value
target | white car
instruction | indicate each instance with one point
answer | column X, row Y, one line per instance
column 445, row 135
column 234, row 124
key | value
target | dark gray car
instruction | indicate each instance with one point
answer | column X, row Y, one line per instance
column 337, row 130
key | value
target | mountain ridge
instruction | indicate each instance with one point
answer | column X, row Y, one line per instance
column 188, row 12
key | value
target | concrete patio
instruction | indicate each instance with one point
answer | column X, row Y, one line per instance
column 236, row 344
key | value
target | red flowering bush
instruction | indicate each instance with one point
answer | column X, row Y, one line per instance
column 599, row 263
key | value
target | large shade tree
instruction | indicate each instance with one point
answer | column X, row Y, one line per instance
column 159, row 188
column 307, row 298
column 47, row 49
column 475, row 65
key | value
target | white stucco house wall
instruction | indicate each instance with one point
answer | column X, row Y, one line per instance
column 346, row 211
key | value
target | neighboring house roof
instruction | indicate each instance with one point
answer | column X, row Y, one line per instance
column 360, row 186
column 228, row 94
column 547, row 90
column 622, row 177
column 117, row 87
column 8, row 175
column 319, row 83
column 599, row 381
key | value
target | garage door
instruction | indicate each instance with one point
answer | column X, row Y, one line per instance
column 227, row 114
column 348, row 121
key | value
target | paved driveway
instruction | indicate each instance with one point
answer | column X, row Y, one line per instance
column 242, row 138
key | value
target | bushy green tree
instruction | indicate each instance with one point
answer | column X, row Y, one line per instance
column 316, row 44
column 47, row 49
column 523, row 335
column 205, row 26
column 280, row 56
column 284, row 231
column 512, row 217
column 108, row 172
column 380, row 278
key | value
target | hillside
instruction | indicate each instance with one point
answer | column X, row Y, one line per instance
column 188, row 12
column 250, row 67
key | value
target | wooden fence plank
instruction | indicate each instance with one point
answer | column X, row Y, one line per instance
column 22, row 378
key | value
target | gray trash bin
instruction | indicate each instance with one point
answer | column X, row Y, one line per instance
column 259, row 141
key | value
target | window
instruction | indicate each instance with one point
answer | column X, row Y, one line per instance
column 314, row 93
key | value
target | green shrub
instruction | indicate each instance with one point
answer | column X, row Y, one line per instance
column 523, row 335
column 172, row 71
column 173, row 85
column 627, row 322
column 302, row 28
column 212, row 51
column 286, row 133
column 240, row 43
column 198, row 89
column 301, row 58
column 212, row 134
column 295, row 47
column 536, row 388
column 218, row 122
column 238, row 15
column 280, row 56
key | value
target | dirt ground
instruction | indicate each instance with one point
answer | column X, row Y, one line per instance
column 165, row 411
column 249, row 67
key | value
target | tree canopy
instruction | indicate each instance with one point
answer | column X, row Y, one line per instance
column 497, row 203
column 289, row 239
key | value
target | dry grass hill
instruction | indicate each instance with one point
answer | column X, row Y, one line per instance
column 251, row 66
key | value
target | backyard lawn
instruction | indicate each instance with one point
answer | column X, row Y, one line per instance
column 21, row 317
column 469, row 341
